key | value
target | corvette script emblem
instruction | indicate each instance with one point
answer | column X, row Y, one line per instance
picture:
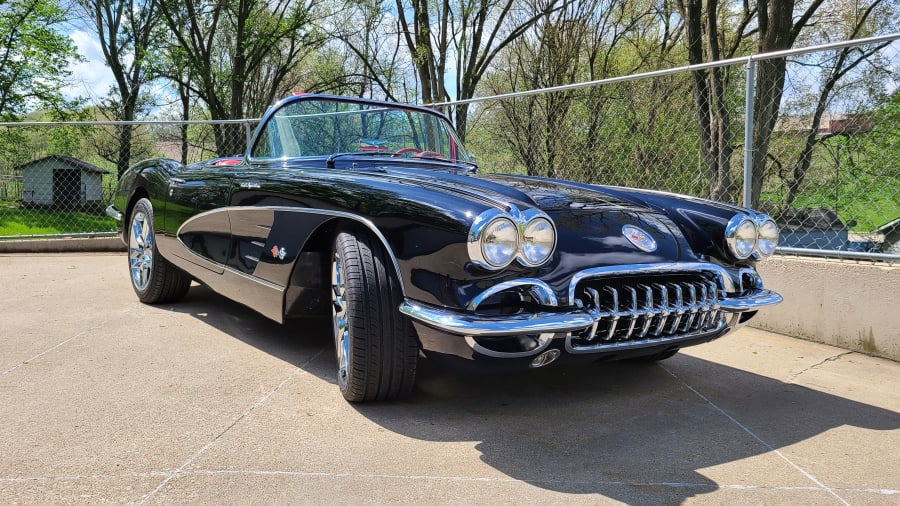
column 639, row 238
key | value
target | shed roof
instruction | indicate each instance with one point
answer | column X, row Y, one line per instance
column 890, row 226
column 84, row 166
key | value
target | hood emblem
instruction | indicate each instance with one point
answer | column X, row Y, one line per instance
column 639, row 238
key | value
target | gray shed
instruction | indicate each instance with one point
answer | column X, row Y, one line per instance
column 61, row 181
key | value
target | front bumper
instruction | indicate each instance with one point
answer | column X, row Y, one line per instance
column 469, row 324
column 113, row 213
column 621, row 310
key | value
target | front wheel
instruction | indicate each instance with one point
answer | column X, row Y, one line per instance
column 375, row 344
column 153, row 278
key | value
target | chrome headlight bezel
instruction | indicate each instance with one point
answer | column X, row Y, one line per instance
column 483, row 224
column 741, row 236
column 532, row 218
column 766, row 244
column 521, row 221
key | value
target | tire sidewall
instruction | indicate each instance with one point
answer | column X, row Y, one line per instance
column 143, row 206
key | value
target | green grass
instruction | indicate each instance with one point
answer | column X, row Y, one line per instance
column 16, row 221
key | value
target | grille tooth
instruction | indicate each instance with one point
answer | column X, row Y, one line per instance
column 689, row 324
column 595, row 296
column 663, row 313
column 648, row 310
column 615, row 313
column 678, row 308
column 667, row 307
column 634, row 311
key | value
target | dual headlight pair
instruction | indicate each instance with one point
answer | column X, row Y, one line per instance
column 746, row 234
column 497, row 238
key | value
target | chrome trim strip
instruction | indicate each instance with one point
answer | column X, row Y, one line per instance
column 539, row 290
column 725, row 281
column 544, row 341
column 750, row 302
column 466, row 324
column 113, row 213
column 641, row 343
column 337, row 214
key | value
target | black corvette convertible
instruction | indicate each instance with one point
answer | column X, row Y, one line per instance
column 373, row 213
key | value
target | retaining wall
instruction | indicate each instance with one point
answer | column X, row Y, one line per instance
column 851, row 305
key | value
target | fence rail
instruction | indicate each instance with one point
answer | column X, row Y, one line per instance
column 824, row 160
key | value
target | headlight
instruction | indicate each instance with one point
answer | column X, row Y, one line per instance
column 497, row 238
column 767, row 235
column 740, row 234
column 493, row 240
column 500, row 242
column 538, row 240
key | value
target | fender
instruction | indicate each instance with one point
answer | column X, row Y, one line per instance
column 258, row 261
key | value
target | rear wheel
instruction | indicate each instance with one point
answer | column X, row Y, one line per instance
column 153, row 278
column 375, row 345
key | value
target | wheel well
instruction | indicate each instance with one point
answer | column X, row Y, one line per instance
column 305, row 295
column 138, row 194
column 311, row 276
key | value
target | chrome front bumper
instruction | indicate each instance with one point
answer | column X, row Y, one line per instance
column 471, row 324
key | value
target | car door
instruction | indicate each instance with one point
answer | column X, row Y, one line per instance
column 192, row 197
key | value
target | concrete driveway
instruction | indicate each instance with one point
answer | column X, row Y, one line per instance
column 103, row 399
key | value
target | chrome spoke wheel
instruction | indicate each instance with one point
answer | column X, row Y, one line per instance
column 140, row 250
column 339, row 317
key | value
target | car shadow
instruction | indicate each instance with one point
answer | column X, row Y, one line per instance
column 637, row 433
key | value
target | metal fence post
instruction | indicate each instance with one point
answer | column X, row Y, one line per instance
column 750, row 98
column 248, row 132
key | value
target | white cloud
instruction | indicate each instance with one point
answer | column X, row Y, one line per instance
column 90, row 78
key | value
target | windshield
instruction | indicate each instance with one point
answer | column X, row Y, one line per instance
column 323, row 127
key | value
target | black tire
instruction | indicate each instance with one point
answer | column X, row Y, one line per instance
column 153, row 278
column 375, row 345
column 656, row 357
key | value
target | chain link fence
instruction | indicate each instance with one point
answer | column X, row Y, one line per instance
column 56, row 179
column 822, row 125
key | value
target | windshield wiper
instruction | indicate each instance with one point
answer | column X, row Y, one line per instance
column 329, row 162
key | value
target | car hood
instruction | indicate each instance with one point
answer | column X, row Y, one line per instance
column 590, row 223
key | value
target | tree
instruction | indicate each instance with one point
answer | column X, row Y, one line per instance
column 717, row 31
column 847, row 22
column 128, row 34
column 34, row 56
column 592, row 133
column 236, row 54
column 467, row 33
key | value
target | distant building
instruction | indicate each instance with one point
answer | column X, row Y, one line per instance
column 829, row 124
column 61, row 181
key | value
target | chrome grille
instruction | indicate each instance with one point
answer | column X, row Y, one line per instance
column 660, row 307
